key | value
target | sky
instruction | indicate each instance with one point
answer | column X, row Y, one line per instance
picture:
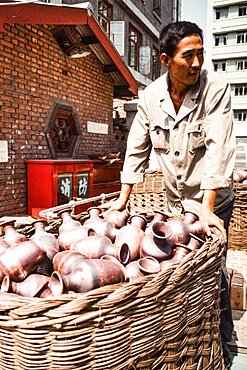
column 195, row 11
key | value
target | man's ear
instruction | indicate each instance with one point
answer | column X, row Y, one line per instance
column 165, row 59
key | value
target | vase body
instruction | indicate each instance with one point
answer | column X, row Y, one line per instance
column 156, row 244
column 132, row 271
column 45, row 240
column 68, row 222
column 239, row 175
column 117, row 218
column 190, row 217
column 65, row 262
column 89, row 275
column 132, row 235
column 3, row 245
column 69, row 237
column 195, row 242
column 30, row 287
column 179, row 253
column 149, row 265
column 158, row 216
column 45, row 267
column 176, row 231
column 100, row 245
column 49, row 243
column 11, row 236
column 99, row 225
column 19, row 261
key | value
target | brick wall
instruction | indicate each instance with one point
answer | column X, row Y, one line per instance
column 34, row 75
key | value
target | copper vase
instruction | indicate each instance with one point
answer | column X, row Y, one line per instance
column 11, row 236
column 65, row 262
column 180, row 251
column 132, row 235
column 156, row 243
column 68, row 222
column 20, row 260
column 69, row 237
column 45, row 240
column 30, row 287
column 99, row 225
column 117, row 218
column 100, row 245
column 91, row 274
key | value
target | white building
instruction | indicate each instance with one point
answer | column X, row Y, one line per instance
column 227, row 50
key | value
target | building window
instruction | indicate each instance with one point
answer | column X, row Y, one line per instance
column 221, row 13
column 240, row 90
column 157, row 7
column 240, row 115
column 156, row 63
column 134, row 47
column 220, row 40
column 117, row 35
column 241, row 37
column 241, row 64
column 220, row 66
column 105, row 15
column 242, row 10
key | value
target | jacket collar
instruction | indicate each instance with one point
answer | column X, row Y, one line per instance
column 189, row 103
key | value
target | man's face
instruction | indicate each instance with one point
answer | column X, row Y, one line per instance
column 184, row 67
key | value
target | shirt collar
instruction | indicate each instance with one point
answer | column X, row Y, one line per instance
column 189, row 104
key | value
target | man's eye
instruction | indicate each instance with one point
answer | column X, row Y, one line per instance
column 187, row 55
column 200, row 53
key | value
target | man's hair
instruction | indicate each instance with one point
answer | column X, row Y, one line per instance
column 171, row 34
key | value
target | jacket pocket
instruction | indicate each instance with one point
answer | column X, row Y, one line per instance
column 196, row 136
column 160, row 135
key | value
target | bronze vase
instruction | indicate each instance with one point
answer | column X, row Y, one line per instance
column 11, row 236
column 132, row 235
column 90, row 274
column 20, row 260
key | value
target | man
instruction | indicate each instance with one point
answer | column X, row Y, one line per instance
column 186, row 117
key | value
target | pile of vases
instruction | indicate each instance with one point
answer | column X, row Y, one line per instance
column 103, row 250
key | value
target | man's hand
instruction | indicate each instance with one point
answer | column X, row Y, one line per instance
column 121, row 202
column 207, row 216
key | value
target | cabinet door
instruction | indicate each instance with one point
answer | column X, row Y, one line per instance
column 83, row 184
column 64, row 187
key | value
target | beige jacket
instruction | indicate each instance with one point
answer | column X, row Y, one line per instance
column 195, row 148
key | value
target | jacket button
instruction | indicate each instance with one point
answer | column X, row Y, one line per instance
column 179, row 177
column 176, row 154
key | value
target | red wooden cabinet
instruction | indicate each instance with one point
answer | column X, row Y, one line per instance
column 54, row 182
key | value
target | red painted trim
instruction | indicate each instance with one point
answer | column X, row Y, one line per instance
column 109, row 47
column 42, row 14
column 33, row 13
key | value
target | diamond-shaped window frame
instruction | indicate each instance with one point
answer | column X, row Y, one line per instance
column 66, row 113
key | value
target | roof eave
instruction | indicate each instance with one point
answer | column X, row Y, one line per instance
column 42, row 13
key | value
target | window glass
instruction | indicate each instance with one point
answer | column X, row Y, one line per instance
column 105, row 15
column 117, row 35
column 221, row 13
column 242, row 10
column 134, row 47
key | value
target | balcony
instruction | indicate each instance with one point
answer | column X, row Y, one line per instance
column 229, row 51
column 225, row 25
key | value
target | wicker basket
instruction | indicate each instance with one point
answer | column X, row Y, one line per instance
column 166, row 321
column 149, row 195
column 238, row 224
